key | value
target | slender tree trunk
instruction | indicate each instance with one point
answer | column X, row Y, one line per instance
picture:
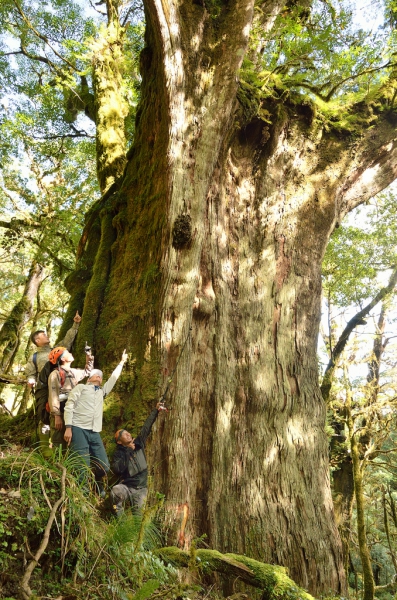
column 19, row 316
column 343, row 495
column 24, row 400
column 358, row 469
column 219, row 225
column 387, row 531
column 110, row 106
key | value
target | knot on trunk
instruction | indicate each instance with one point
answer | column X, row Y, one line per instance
column 182, row 232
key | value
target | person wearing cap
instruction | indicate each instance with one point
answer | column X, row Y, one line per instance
column 33, row 369
column 129, row 462
column 60, row 383
column 83, row 420
column 41, row 340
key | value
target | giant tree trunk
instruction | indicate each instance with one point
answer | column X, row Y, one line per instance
column 220, row 224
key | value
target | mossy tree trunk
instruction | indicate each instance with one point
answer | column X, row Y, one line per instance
column 110, row 107
column 244, row 449
column 343, row 480
column 343, row 477
column 19, row 316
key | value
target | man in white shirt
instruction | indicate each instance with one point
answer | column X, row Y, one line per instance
column 83, row 420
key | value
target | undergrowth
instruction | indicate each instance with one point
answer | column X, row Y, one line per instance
column 60, row 541
column 89, row 553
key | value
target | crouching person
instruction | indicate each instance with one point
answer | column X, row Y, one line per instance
column 129, row 462
column 83, row 421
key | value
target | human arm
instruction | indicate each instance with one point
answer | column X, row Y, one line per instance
column 109, row 385
column 79, row 374
column 68, row 414
column 71, row 333
column 30, row 372
column 148, row 424
column 68, row 435
column 54, row 387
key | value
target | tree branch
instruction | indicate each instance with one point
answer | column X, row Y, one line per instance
column 42, row 37
column 344, row 337
column 260, row 575
column 25, row 589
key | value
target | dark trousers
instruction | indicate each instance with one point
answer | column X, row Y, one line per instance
column 89, row 446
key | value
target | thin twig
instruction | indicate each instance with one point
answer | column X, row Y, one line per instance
column 46, row 497
column 96, row 560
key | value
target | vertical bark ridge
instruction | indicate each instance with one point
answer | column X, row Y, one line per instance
column 260, row 397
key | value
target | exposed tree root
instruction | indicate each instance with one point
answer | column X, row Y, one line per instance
column 273, row 580
column 26, row 592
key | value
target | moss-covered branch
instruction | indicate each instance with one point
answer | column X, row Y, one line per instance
column 273, row 580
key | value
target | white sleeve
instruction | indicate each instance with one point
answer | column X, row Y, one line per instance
column 109, row 385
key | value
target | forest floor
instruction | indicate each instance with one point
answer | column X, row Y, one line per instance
column 60, row 541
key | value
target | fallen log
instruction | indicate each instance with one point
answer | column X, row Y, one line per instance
column 271, row 579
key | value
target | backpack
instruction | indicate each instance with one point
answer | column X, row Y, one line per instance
column 41, row 391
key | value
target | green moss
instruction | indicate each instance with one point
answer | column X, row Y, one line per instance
column 272, row 580
column 214, row 7
column 122, row 295
column 250, row 99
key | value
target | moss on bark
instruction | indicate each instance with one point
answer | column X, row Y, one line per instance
column 18, row 317
column 272, row 580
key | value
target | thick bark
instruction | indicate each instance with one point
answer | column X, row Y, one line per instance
column 244, row 448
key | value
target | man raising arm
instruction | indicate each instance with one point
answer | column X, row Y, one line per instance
column 129, row 462
column 83, row 420
column 41, row 340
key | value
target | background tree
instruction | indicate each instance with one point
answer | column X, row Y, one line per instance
column 357, row 275
column 62, row 74
column 363, row 408
column 73, row 65
column 45, row 187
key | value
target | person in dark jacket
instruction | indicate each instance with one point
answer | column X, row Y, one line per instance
column 129, row 462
